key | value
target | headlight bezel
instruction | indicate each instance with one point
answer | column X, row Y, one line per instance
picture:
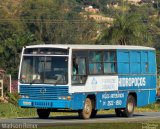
column 24, row 96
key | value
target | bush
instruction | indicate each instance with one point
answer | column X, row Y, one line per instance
column 6, row 85
column 13, row 98
column 14, row 86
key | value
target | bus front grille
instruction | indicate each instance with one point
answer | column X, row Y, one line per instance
column 43, row 92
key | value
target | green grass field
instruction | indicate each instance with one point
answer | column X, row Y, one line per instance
column 11, row 111
column 116, row 125
column 8, row 110
column 150, row 125
column 98, row 126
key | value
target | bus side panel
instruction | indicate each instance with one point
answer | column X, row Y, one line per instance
column 111, row 100
column 145, row 97
column 137, row 82
column 152, row 81
column 104, row 100
column 152, row 98
column 142, row 98
column 152, row 62
column 137, row 73
column 78, row 101
column 143, row 86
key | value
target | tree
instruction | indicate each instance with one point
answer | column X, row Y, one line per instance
column 127, row 29
column 11, row 54
column 55, row 21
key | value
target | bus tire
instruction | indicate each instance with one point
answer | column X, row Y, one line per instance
column 94, row 113
column 43, row 113
column 86, row 112
column 129, row 110
column 118, row 112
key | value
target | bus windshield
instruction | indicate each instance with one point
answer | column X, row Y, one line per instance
column 44, row 70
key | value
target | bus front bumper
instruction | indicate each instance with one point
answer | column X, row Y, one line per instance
column 28, row 103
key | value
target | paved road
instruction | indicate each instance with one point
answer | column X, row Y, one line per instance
column 138, row 117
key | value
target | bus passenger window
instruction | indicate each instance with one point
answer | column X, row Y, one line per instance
column 95, row 68
column 95, row 62
column 110, row 62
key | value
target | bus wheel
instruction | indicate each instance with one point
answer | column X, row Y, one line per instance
column 85, row 113
column 118, row 112
column 94, row 113
column 43, row 113
column 128, row 111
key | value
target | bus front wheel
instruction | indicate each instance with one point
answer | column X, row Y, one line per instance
column 43, row 113
column 85, row 113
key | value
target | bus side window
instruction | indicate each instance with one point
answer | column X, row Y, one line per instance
column 110, row 62
column 95, row 62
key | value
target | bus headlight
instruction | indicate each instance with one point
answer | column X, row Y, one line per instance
column 64, row 97
column 24, row 96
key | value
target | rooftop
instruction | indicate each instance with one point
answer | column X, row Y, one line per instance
column 80, row 46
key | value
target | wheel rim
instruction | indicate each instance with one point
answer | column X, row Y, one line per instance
column 87, row 108
column 130, row 107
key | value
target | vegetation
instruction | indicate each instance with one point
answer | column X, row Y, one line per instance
column 63, row 21
column 12, row 110
column 8, row 110
column 97, row 126
column 121, row 125
column 127, row 29
column 158, row 61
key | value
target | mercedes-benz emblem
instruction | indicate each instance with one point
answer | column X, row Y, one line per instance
column 43, row 90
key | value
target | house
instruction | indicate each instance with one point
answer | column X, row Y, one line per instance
column 100, row 18
column 134, row 1
column 91, row 9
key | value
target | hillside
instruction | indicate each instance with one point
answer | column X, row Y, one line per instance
column 74, row 22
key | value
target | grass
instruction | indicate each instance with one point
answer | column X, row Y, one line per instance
column 120, row 125
column 149, row 108
column 97, row 126
column 9, row 110
column 107, row 126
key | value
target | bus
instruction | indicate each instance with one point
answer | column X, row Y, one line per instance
column 86, row 78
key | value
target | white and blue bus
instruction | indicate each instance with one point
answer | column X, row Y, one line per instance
column 87, row 78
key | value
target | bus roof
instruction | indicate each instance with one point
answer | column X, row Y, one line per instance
column 82, row 46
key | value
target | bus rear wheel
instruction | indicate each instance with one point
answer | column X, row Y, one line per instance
column 118, row 112
column 86, row 112
column 129, row 110
column 94, row 113
column 43, row 113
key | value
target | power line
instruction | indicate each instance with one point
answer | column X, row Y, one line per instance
column 47, row 20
